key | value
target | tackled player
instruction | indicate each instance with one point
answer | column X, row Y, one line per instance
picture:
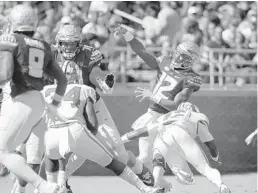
column 175, row 83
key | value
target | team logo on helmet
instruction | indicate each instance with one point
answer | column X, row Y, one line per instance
column 68, row 40
column 184, row 56
column 187, row 106
column 22, row 18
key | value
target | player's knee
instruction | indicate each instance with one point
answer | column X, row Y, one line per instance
column 145, row 158
column 131, row 159
column 122, row 155
column 51, row 165
column 51, row 147
column 158, row 159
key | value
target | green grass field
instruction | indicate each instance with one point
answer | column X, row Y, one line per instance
column 239, row 183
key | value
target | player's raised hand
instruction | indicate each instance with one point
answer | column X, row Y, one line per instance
column 143, row 93
column 119, row 30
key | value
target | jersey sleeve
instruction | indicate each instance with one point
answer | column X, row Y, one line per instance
column 94, row 55
column 88, row 92
column 8, row 42
column 194, row 82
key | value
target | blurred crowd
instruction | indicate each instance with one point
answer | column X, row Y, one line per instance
column 217, row 24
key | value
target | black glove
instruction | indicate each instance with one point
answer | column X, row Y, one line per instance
column 110, row 80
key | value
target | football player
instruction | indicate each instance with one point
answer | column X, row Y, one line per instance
column 24, row 61
column 175, row 83
column 176, row 143
column 81, row 65
column 74, row 136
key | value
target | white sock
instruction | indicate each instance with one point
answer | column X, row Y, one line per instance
column 61, row 178
column 213, row 175
column 132, row 178
column 51, row 176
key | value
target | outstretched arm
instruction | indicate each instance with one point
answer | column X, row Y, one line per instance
column 138, row 47
column 151, row 129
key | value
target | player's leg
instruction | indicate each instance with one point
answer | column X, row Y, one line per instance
column 34, row 151
column 110, row 131
column 111, row 134
column 87, row 145
column 168, row 149
column 146, row 143
column 16, row 124
column 195, row 155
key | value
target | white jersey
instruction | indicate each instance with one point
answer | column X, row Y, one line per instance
column 189, row 121
column 73, row 104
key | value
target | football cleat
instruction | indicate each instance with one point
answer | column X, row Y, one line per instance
column 182, row 176
column 148, row 189
column 146, row 176
column 224, row 189
column 68, row 188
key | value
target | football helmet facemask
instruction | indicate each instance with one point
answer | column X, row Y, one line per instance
column 68, row 41
column 185, row 55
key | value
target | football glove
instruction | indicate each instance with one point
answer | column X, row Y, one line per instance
column 108, row 84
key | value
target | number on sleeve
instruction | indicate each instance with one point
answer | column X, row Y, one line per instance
column 36, row 62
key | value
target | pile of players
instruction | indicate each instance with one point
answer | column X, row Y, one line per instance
column 63, row 124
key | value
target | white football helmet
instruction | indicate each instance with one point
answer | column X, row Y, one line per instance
column 23, row 18
column 185, row 55
column 187, row 106
column 68, row 41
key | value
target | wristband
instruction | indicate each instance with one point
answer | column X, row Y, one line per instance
column 128, row 36
column 57, row 99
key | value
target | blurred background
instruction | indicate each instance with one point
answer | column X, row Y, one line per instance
column 226, row 33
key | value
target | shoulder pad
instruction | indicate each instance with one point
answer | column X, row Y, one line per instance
column 7, row 42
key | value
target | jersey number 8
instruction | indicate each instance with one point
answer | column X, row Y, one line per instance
column 36, row 62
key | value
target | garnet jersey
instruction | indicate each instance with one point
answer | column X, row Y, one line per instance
column 196, row 124
column 85, row 60
column 169, row 83
column 74, row 101
column 32, row 58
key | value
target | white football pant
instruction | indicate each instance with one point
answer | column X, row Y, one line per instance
column 75, row 138
column 146, row 143
column 18, row 116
